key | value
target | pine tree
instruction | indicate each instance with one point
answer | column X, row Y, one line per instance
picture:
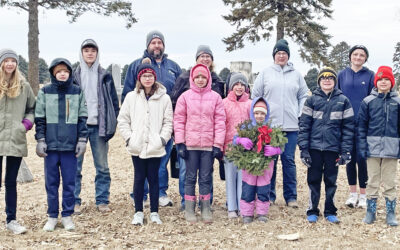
column 339, row 56
column 396, row 64
column 297, row 19
column 311, row 78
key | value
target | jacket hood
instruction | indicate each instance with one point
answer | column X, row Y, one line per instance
column 161, row 90
column 232, row 96
column 335, row 91
column 193, row 86
column 375, row 92
column 288, row 67
column 53, row 79
column 253, row 119
column 84, row 66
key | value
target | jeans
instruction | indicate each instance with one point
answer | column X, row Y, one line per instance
column 12, row 167
column 199, row 164
column 102, row 180
column 162, row 174
column 288, row 170
column 233, row 181
column 54, row 162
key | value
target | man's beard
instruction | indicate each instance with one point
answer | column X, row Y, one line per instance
column 156, row 56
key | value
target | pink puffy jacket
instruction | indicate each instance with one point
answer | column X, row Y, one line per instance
column 236, row 111
column 199, row 118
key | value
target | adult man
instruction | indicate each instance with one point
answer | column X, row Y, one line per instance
column 286, row 91
column 103, row 107
column 167, row 71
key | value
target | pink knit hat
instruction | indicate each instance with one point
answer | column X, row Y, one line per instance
column 200, row 69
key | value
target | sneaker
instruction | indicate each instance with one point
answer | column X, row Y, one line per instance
column 232, row 215
column 77, row 209
column 50, row 224
column 165, row 201
column 332, row 219
column 293, row 204
column 362, row 202
column 68, row 223
column 262, row 218
column 312, row 218
column 155, row 218
column 138, row 219
column 15, row 227
column 103, row 208
column 352, row 200
column 247, row 219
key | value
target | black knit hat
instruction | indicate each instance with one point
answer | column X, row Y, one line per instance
column 146, row 67
column 358, row 47
column 281, row 45
column 326, row 72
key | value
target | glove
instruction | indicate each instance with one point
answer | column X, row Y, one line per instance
column 344, row 159
column 217, row 153
column 41, row 148
column 181, row 149
column 270, row 151
column 27, row 124
column 245, row 142
column 80, row 147
column 305, row 158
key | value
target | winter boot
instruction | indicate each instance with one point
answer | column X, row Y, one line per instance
column 206, row 214
column 390, row 213
column 190, row 215
column 370, row 217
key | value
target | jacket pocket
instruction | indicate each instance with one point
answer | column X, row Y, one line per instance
column 155, row 144
column 18, row 135
column 135, row 143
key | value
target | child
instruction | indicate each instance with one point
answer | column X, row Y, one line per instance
column 378, row 135
column 17, row 107
column 237, row 109
column 199, row 126
column 145, row 123
column 257, row 185
column 325, row 140
column 61, row 133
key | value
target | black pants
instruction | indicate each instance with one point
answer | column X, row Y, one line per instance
column 351, row 168
column 199, row 163
column 146, row 168
column 323, row 165
column 12, row 167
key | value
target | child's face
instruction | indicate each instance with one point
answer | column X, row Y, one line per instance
column 384, row 85
column 327, row 83
column 9, row 65
column 239, row 89
column 260, row 116
column 89, row 55
column 62, row 75
column 147, row 80
column 200, row 81
column 358, row 57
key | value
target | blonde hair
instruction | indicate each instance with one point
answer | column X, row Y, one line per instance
column 11, row 87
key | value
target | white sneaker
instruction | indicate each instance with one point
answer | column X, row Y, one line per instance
column 50, row 224
column 15, row 227
column 352, row 200
column 68, row 223
column 165, row 201
column 155, row 218
column 138, row 219
column 362, row 201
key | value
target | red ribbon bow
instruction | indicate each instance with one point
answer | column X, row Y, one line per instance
column 263, row 137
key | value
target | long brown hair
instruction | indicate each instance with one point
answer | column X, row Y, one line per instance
column 154, row 87
column 11, row 87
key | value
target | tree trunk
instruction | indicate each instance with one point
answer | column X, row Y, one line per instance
column 280, row 25
column 33, row 46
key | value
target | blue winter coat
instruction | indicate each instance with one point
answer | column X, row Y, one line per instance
column 356, row 85
column 327, row 123
column 167, row 72
column 378, row 125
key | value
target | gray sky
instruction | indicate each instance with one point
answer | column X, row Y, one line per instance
column 187, row 24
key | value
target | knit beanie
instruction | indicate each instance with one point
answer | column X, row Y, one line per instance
column 200, row 69
column 281, row 45
column 260, row 106
column 89, row 43
column 384, row 72
column 8, row 53
column 204, row 49
column 154, row 34
column 146, row 67
column 238, row 78
column 358, row 47
column 326, row 72
column 60, row 67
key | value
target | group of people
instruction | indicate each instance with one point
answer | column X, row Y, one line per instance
column 351, row 118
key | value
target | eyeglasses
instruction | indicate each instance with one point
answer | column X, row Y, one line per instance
column 149, row 76
column 281, row 53
column 327, row 78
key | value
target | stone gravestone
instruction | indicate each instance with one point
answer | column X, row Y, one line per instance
column 24, row 174
column 116, row 75
column 245, row 68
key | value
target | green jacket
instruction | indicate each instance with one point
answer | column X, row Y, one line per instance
column 12, row 112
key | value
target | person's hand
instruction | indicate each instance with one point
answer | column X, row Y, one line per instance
column 80, row 147
column 41, row 148
column 245, row 142
column 27, row 124
column 305, row 158
column 270, row 151
column 181, row 150
column 344, row 159
column 217, row 153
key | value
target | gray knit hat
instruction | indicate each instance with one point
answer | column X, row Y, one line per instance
column 204, row 49
column 8, row 53
column 154, row 34
column 89, row 43
column 238, row 77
